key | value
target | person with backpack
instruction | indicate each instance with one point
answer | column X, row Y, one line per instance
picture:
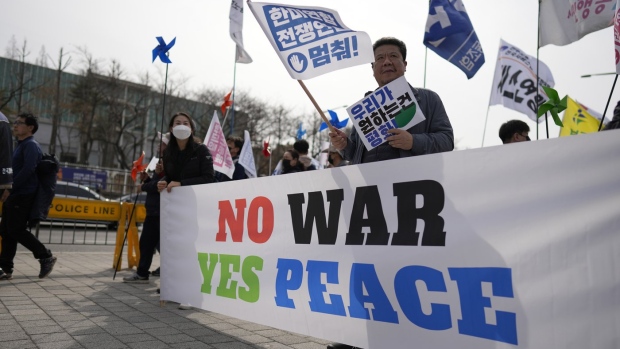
column 17, row 207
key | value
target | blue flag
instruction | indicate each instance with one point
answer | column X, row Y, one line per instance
column 450, row 34
column 301, row 132
column 334, row 121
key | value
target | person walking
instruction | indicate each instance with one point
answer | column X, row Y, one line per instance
column 17, row 206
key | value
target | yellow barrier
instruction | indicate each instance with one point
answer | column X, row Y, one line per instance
column 90, row 210
column 133, row 241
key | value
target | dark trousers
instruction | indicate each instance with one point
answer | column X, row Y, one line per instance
column 14, row 229
column 149, row 239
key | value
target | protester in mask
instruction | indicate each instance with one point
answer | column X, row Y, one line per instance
column 186, row 162
column 149, row 239
column 335, row 158
column 514, row 131
column 302, row 148
column 235, row 144
column 291, row 163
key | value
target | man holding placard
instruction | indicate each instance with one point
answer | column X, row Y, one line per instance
column 389, row 123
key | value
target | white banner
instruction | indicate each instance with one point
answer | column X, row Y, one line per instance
column 514, row 84
column 246, row 157
column 310, row 40
column 565, row 21
column 216, row 142
column 499, row 247
column 391, row 106
column 236, row 30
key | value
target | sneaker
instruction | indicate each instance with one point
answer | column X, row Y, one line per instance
column 5, row 276
column 183, row 306
column 155, row 272
column 47, row 264
column 136, row 279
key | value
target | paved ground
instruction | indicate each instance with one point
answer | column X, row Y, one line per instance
column 79, row 306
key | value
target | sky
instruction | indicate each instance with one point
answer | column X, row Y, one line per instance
column 204, row 53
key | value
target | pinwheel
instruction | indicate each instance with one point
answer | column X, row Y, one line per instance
column 161, row 49
column 334, row 121
column 553, row 105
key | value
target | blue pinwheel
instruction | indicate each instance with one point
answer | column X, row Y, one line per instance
column 334, row 121
column 161, row 49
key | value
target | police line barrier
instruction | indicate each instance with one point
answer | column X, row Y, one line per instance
column 81, row 210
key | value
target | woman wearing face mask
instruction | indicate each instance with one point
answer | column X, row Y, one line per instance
column 186, row 162
column 291, row 163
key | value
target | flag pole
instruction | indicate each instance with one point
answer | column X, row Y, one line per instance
column 232, row 107
column 316, row 105
column 425, row 58
column 484, row 132
column 426, row 53
column 537, row 75
column 600, row 126
column 163, row 112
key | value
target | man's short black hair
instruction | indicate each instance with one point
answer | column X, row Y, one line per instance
column 301, row 146
column 30, row 120
column 238, row 141
column 391, row 41
column 511, row 127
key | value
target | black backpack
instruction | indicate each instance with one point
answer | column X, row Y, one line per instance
column 47, row 171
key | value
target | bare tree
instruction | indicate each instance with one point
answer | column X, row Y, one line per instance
column 42, row 58
column 22, row 83
column 86, row 98
column 12, row 51
column 57, row 114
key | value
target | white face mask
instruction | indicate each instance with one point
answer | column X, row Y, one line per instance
column 182, row 132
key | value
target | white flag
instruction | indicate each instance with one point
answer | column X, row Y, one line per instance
column 311, row 41
column 216, row 143
column 565, row 21
column 236, row 29
column 246, row 157
column 514, row 84
column 617, row 35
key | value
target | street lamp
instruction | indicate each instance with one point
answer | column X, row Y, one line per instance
column 589, row 75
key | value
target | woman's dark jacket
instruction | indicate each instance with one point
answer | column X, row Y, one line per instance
column 194, row 165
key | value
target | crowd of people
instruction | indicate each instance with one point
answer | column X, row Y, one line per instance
column 186, row 161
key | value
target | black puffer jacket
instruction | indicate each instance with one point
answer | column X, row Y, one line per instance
column 152, row 195
column 192, row 166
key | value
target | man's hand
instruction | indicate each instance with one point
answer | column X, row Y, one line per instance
column 161, row 185
column 172, row 185
column 400, row 139
column 159, row 168
column 143, row 176
column 338, row 139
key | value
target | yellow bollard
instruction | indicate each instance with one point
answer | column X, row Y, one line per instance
column 133, row 240
column 120, row 238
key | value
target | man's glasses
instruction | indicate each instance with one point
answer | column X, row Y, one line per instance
column 525, row 136
column 17, row 123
